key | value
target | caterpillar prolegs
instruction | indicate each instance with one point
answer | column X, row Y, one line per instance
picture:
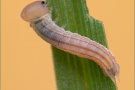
column 37, row 13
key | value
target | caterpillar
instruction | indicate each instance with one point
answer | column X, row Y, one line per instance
column 39, row 17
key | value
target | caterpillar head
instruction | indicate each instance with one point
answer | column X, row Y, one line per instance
column 34, row 10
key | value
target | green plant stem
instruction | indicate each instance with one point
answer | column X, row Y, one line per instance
column 73, row 72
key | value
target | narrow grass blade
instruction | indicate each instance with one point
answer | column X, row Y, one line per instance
column 73, row 72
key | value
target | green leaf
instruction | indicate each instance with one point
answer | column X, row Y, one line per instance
column 73, row 72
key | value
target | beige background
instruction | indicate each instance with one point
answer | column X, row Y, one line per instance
column 26, row 59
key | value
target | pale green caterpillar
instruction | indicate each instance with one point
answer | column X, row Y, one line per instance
column 37, row 13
